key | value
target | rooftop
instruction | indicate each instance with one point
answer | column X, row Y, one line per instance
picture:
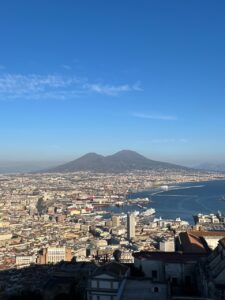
column 191, row 243
column 112, row 268
column 203, row 233
column 175, row 257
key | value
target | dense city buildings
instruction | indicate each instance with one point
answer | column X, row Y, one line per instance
column 51, row 224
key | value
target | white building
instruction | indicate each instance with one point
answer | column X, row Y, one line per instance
column 25, row 260
column 56, row 254
column 131, row 223
column 202, row 219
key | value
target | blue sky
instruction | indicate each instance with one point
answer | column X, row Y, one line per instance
column 101, row 76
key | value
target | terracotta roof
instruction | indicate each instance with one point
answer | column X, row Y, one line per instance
column 207, row 233
column 191, row 243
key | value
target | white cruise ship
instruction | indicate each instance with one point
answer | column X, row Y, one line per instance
column 148, row 212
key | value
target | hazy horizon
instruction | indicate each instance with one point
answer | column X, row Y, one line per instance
column 38, row 164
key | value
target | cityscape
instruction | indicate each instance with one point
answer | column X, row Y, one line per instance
column 112, row 150
column 60, row 224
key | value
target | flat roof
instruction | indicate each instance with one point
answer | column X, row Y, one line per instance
column 175, row 257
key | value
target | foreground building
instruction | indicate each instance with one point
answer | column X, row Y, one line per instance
column 212, row 273
column 106, row 280
column 153, row 275
column 142, row 288
column 175, row 270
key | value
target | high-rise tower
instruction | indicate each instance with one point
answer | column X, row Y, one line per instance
column 131, row 222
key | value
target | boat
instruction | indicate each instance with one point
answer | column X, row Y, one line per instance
column 119, row 204
column 139, row 200
column 148, row 212
column 98, row 217
column 165, row 187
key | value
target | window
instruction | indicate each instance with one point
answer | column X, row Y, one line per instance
column 94, row 284
column 154, row 274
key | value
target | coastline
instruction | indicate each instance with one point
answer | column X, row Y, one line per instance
column 176, row 186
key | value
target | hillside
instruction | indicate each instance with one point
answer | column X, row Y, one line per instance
column 122, row 161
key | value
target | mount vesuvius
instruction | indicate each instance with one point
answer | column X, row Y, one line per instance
column 122, row 161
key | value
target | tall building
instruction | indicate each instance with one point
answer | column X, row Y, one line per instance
column 131, row 222
column 115, row 220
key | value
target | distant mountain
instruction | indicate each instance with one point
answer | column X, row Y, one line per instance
column 119, row 162
column 212, row 167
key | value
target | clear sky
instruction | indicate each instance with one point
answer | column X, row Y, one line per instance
column 81, row 76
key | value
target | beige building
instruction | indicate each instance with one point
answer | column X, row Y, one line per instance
column 54, row 255
column 25, row 260
column 5, row 236
column 131, row 223
column 115, row 221
column 167, row 245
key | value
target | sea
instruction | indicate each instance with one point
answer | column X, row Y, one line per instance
column 182, row 200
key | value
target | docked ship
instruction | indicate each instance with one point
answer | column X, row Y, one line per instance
column 165, row 188
column 139, row 200
column 149, row 212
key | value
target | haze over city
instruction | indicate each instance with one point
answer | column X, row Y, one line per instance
column 84, row 76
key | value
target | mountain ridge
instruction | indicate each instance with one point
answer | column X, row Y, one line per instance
column 119, row 162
